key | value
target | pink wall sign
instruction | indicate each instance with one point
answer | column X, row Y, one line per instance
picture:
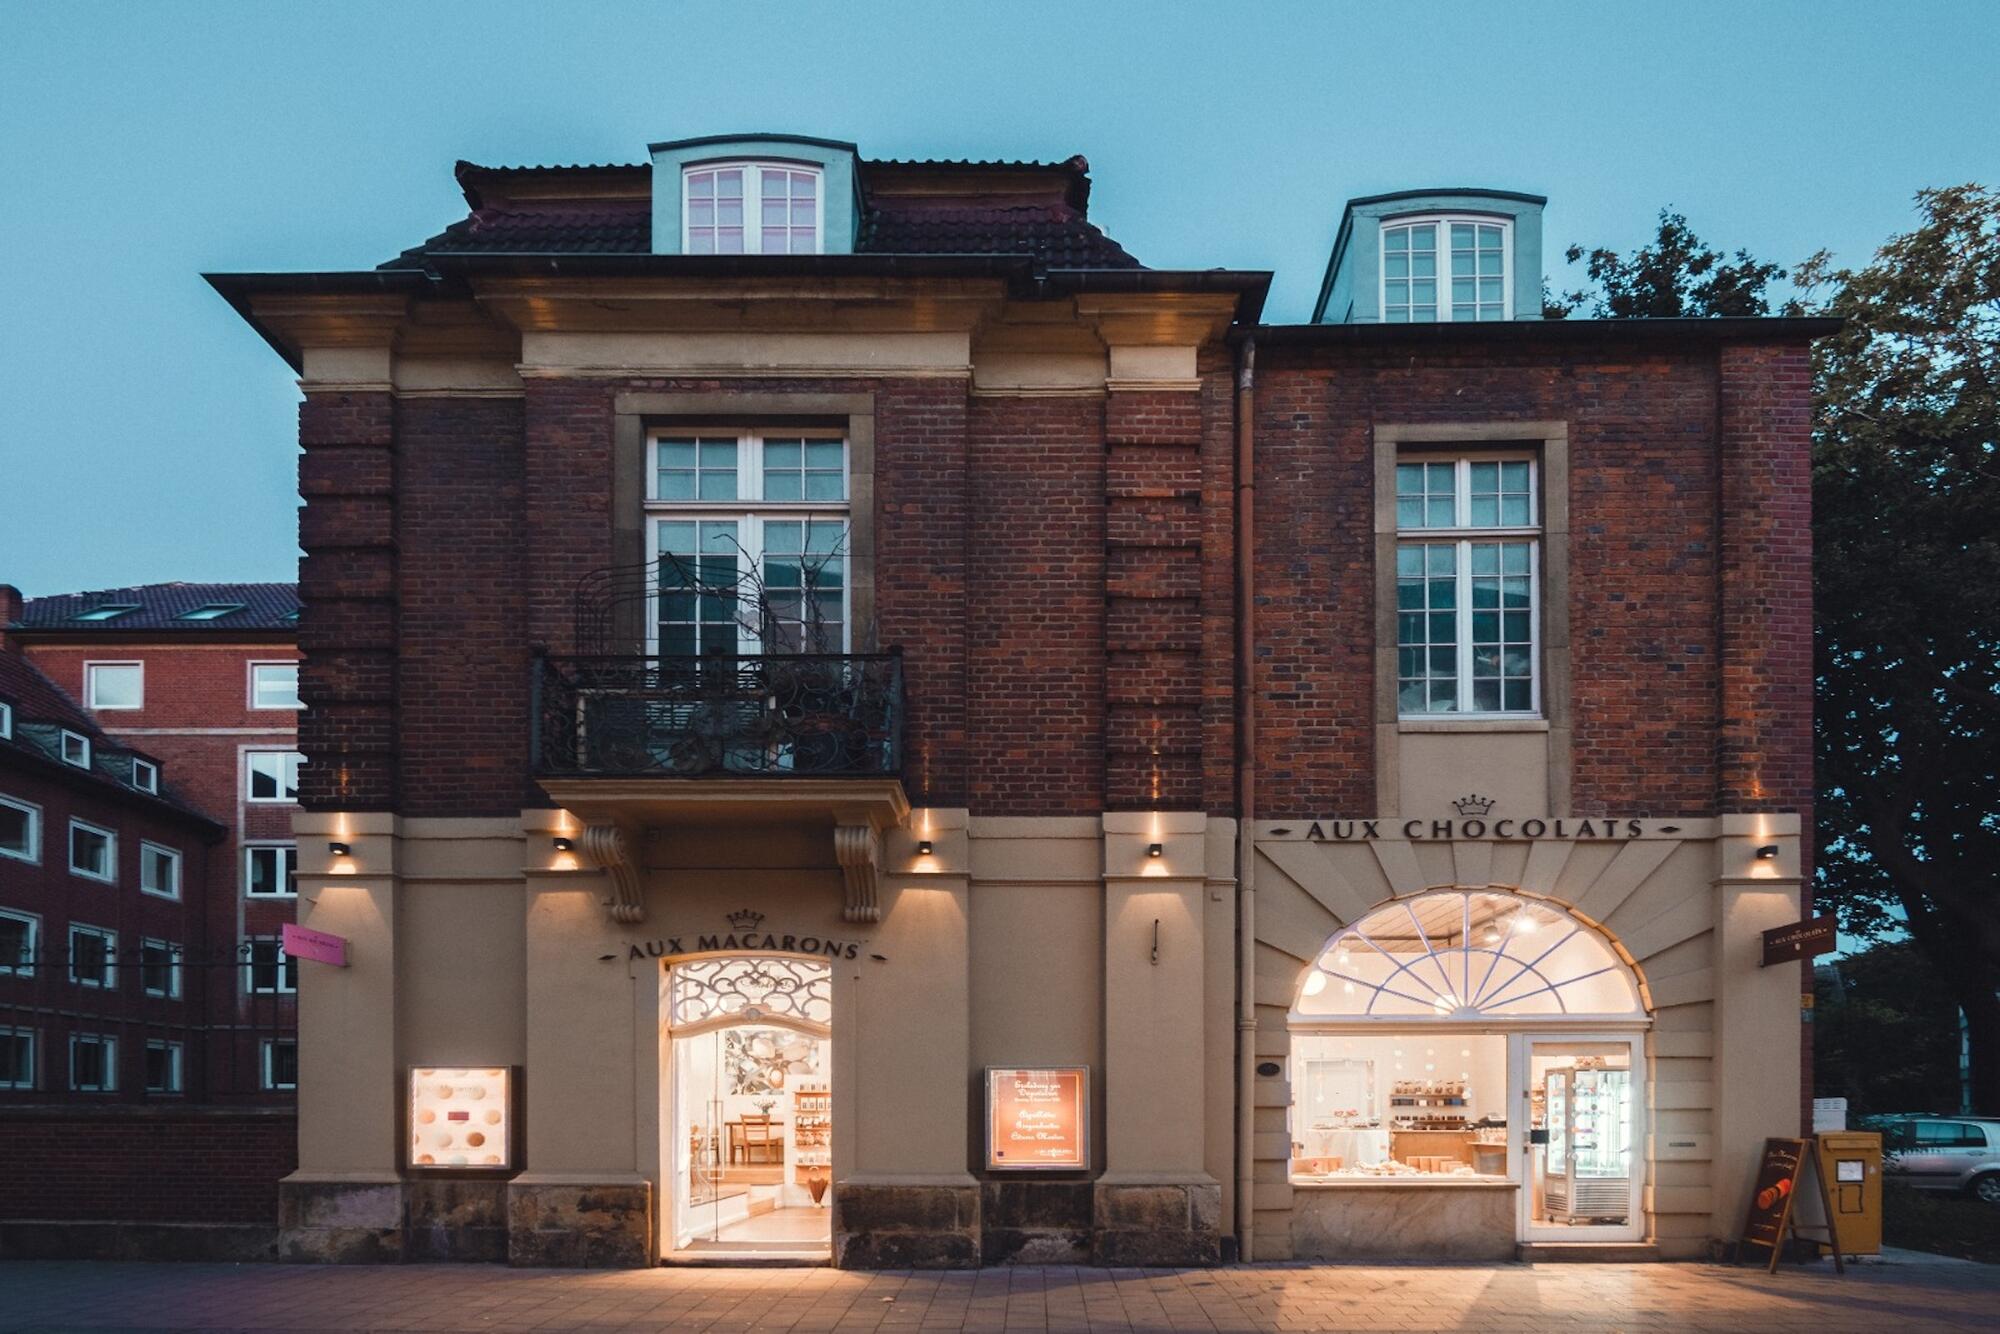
column 302, row 942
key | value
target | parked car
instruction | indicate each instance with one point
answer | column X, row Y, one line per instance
column 1943, row 1153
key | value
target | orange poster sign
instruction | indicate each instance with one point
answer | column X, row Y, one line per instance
column 1037, row 1119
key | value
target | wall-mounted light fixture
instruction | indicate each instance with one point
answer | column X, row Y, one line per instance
column 564, row 844
column 923, row 847
column 339, row 849
column 1768, row 851
column 1156, row 849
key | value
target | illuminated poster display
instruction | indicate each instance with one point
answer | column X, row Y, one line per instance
column 1036, row 1120
column 459, row 1118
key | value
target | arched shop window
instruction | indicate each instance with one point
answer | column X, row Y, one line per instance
column 752, row 989
column 1458, row 956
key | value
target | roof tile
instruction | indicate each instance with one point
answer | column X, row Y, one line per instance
column 162, row 606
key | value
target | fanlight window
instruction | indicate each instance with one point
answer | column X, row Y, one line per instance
column 752, row 989
column 1462, row 955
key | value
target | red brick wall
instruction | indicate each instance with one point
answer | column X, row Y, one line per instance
column 147, row 1165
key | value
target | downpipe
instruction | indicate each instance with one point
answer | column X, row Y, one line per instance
column 1246, row 802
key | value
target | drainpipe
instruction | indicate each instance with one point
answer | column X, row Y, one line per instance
column 1246, row 799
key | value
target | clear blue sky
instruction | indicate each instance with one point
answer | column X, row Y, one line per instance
column 146, row 434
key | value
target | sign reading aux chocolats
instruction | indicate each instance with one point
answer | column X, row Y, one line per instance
column 1474, row 820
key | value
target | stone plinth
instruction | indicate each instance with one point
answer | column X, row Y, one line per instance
column 1035, row 1222
column 576, row 1225
column 340, row 1222
column 1157, row 1223
column 1395, row 1220
column 905, row 1226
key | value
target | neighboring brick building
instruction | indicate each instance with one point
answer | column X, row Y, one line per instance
column 777, row 653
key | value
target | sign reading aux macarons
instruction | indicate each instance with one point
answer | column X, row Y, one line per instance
column 746, row 936
column 1474, row 820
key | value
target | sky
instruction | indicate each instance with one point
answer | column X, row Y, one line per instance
column 146, row 434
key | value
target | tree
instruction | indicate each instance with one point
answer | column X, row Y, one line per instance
column 1906, row 497
column 1885, row 1032
column 1676, row 276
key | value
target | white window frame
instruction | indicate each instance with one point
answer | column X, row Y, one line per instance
column 173, row 859
column 288, row 776
column 146, row 776
column 110, row 1045
column 110, row 852
column 749, row 515
column 90, row 670
column 34, row 1038
column 285, row 965
column 1462, row 536
column 269, row 1059
column 176, row 1066
column 75, row 749
column 1444, row 303
column 34, row 941
column 256, row 667
column 288, row 868
column 6, row 721
column 173, row 967
column 33, row 855
column 106, row 980
column 753, row 200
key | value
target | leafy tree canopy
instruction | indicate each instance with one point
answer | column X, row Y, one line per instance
column 1675, row 276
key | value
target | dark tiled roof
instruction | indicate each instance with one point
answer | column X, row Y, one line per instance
column 37, row 699
column 162, row 606
column 582, row 229
column 1055, row 235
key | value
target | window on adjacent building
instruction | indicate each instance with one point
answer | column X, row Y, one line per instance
column 17, row 1058
column 739, row 208
column 114, row 685
column 267, row 969
column 6, row 721
column 211, row 611
column 75, row 749
column 93, row 1063
column 274, row 685
column 751, row 534
column 93, row 956
column 20, row 830
column 163, row 1067
column 159, row 871
column 19, row 932
column 1467, row 585
column 146, row 776
column 93, row 852
column 271, row 872
column 106, row 611
column 281, row 1063
column 1446, row 269
column 160, row 968
column 273, row 774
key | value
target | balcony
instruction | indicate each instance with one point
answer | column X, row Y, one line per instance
column 719, row 717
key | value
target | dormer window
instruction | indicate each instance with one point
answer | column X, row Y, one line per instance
column 1445, row 268
column 751, row 208
column 146, row 776
column 211, row 611
column 75, row 749
column 6, row 721
column 107, row 611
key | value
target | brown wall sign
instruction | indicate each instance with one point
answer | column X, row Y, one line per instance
column 1800, row 940
column 1038, row 1120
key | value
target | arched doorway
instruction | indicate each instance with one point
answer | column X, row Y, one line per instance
column 1460, row 1036
column 749, row 1104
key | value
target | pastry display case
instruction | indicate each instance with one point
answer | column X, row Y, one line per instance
column 460, row 1118
column 1588, row 1173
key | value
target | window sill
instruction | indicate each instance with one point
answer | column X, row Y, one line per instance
column 1472, row 724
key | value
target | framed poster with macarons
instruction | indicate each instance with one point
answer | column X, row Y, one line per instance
column 461, row 1119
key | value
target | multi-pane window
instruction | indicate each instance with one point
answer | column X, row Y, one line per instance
column 20, row 830
column 93, row 955
column 274, row 685
column 163, row 1067
column 267, row 969
column 160, row 968
column 751, row 208
column 271, row 871
column 1467, row 585
column 159, row 871
column 281, row 1063
column 93, row 1063
column 93, row 852
column 1449, row 269
column 273, row 774
column 17, row 1058
column 114, row 685
column 750, row 533
column 18, row 934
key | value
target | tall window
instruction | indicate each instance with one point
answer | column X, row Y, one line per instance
column 1467, row 585
column 93, row 1062
column 93, row 852
column 267, row 969
column 752, row 208
column 17, row 1058
column 18, row 934
column 93, row 953
column 163, row 1067
column 750, row 533
column 281, row 1063
column 160, row 968
column 20, row 830
column 1443, row 268
column 159, row 871
column 271, row 871
column 272, row 775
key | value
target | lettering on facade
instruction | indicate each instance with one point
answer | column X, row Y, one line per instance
column 1506, row 830
column 746, row 936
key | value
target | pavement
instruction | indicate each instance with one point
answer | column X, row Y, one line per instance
column 1905, row 1292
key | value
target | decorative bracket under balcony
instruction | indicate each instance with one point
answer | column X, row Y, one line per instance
column 606, row 846
column 858, row 849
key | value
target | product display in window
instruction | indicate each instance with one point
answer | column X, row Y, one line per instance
column 1417, row 1106
column 459, row 1117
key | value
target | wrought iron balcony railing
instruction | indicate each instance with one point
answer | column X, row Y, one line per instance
column 830, row 715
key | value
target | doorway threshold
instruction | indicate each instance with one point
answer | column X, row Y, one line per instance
column 745, row 1257
column 1586, row 1252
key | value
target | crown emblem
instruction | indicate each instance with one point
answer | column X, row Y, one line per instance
column 1472, row 804
column 745, row 920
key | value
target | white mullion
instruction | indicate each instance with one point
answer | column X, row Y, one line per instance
column 1462, row 565
column 1534, row 629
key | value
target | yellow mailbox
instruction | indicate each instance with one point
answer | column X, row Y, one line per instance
column 1850, row 1163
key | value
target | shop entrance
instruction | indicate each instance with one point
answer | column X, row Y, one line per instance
column 749, row 1105
column 1585, row 1120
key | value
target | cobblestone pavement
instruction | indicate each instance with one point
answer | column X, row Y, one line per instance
column 1907, row 1292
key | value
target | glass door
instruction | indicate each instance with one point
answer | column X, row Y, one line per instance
column 1583, row 1117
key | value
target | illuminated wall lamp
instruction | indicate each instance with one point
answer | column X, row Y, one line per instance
column 1767, row 852
column 339, row 849
column 924, row 847
column 564, row 844
column 1156, row 849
